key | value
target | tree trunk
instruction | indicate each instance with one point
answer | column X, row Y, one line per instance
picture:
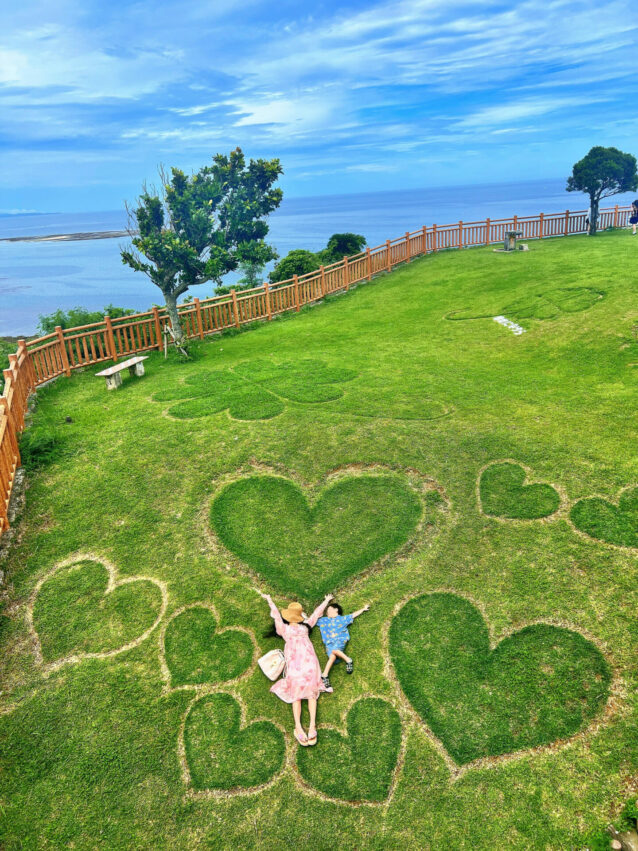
column 593, row 216
column 171, row 307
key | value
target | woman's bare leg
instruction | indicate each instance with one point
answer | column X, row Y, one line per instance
column 329, row 665
column 296, row 713
column 312, row 711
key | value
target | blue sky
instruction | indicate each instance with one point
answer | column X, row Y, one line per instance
column 352, row 96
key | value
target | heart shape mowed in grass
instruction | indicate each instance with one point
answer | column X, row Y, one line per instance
column 539, row 685
column 195, row 653
column 222, row 755
column 504, row 493
column 359, row 766
column 81, row 609
column 613, row 524
column 267, row 522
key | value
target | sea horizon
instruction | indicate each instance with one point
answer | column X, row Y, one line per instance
column 40, row 277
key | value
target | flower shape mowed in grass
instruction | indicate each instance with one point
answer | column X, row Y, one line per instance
column 549, row 304
column 541, row 684
column 361, row 765
column 310, row 548
column 81, row 611
column 613, row 524
column 502, row 492
column 256, row 390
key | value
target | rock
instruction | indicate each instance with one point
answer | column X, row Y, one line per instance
column 616, row 845
column 523, row 246
column 68, row 420
column 628, row 840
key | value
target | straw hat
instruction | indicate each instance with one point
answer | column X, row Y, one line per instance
column 294, row 613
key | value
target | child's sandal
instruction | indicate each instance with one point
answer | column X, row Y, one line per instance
column 349, row 667
column 326, row 684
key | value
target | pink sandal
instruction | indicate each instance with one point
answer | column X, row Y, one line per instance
column 303, row 742
column 312, row 740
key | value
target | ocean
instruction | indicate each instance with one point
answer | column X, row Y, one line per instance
column 40, row 277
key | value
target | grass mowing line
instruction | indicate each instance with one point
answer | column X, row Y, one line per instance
column 239, row 791
column 421, row 485
column 615, row 707
column 204, row 686
column 112, row 584
column 615, row 509
column 563, row 500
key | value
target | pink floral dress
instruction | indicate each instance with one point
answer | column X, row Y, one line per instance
column 303, row 673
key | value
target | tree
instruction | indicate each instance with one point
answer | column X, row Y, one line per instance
column 342, row 245
column 253, row 274
column 601, row 173
column 78, row 316
column 202, row 226
column 296, row 262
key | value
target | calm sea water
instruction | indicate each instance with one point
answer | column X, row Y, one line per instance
column 37, row 278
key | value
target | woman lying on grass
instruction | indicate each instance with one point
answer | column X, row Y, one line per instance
column 303, row 672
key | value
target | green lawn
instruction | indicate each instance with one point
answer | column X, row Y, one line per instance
column 393, row 445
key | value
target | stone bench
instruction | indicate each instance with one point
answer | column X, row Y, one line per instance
column 113, row 374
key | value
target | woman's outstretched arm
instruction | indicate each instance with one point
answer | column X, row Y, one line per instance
column 314, row 617
column 280, row 626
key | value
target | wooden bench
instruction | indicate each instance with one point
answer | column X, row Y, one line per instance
column 113, row 374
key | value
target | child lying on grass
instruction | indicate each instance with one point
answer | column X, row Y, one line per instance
column 334, row 634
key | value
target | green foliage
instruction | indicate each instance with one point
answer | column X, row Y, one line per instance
column 296, row 262
column 540, row 684
column 601, row 173
column 74, row 612
column 359, row 766
column 196, row 653
column 40, row 445
column 614, row 524
column 204, row 225
column 78, row 316
column 7, row 347
column 253, row 390
column 342, row 245
column 222, row 755
column 267, row 522
column 505, row 494
column 550, row 304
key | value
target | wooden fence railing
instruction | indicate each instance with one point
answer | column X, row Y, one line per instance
column 72, row 348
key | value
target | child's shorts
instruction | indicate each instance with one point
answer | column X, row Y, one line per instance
column 330, row 649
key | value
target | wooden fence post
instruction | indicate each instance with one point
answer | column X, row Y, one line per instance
column 615, row 220
column 158, row 327
column 566, row 222
column 388, row 256
column 110, row 337
column 434, row 239
column 200, row 326
column 425, row 239
column 460, row 234
column 63, row 354
column 235, row 311
column 407, row 246
column 295, row 279
column 346, row 273
column 368, row 263
column 515, row 221
column 267, row 292
column 540, row 226
column 322, row 281
column 487, row 232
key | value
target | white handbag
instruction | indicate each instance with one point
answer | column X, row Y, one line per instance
column 272, row 663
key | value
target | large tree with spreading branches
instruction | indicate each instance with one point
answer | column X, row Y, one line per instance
column 199, row 227
column 601, row 173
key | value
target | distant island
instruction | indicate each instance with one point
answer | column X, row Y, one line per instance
column 67, row 237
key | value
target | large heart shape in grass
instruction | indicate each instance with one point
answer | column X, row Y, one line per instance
column 197, row 653
column 221, row 754
column 614, row 524
column 539, row 685
column 549, row 304
column 504, row 494
column 82, row 610
column 359, row 766
column 310, row 550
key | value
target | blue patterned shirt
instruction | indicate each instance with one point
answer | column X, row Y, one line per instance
column 334, row 631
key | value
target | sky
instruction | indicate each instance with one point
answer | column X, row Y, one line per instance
column 352, row 96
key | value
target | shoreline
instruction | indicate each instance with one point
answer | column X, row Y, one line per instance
column 68, row 237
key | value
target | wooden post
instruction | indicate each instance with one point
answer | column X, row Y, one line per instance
column 200, row 325
column 566, row 222
column 346, row 273
column 460, row 234
column 158, row 327
column 407, row 246
column 487, row 232
column 235, row 311
column 267, row 292
column 434, row 238
column 615, row 225
column 425, row 240
column 540, row 226
column 110, row 338
column 322, row 281
column 388, row 256
column 295, row 279
column 368, row 263
column 515, row 223
column 63, row 353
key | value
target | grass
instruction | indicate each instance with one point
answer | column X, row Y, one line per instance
column 505, row 494
column 615, row 524
column 90, row 752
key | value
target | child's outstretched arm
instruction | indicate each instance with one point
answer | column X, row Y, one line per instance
column 360, row 612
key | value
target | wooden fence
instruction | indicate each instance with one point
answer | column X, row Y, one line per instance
column 67, row 349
